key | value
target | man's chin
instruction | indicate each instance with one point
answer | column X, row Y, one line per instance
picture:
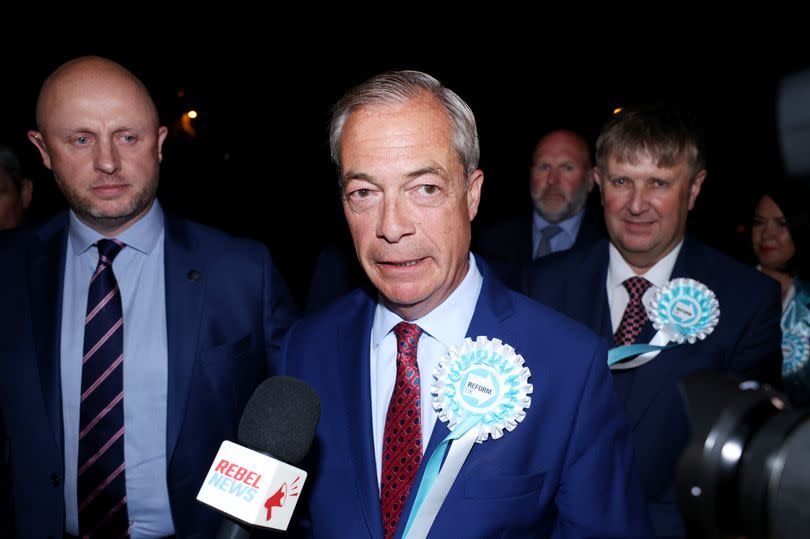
column 109, row 220
column 555, row 215
column 636, row 245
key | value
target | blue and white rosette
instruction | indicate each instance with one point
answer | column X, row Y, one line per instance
column 795, row 349
column 484, row 382
column 683, row 311
column 481, row 391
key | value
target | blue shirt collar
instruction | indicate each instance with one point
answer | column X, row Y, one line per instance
column 142, row 235
column 570, row 226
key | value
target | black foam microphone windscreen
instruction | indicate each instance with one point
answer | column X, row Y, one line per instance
column 280, row 418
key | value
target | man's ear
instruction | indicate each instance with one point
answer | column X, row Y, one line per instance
column 589, row 179
column 474, row 192
column 37, row 140
column 694, row 188
column 597, row 178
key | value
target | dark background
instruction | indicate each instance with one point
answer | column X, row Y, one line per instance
column 259, row 163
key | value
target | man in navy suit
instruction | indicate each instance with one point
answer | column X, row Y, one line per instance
column 203, row 317
column 407, row 151
column 650, row 169
column 560, row 179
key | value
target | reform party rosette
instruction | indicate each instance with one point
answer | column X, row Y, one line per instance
column 795, row 349
column 482, row 382
column 683, row 310
column 481, row 390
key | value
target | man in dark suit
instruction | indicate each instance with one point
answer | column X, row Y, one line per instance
column 560, row 179
column 407, row 151
column 196, row 320
column 650, row 169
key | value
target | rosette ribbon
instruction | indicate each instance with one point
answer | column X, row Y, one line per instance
column 481, row 391
column 683, row 310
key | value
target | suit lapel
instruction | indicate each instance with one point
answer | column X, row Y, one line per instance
column 184, row 295
column 353, row 346
column 47, row 262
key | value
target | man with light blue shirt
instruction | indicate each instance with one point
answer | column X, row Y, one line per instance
column 134, row 338
column 407, row 153
column 561, row 177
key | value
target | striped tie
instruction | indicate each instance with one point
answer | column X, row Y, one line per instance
column 101, row 485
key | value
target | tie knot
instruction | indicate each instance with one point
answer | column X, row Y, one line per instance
column 407, row 338
column 550, row 231
column 636, row 286
column 544, row 246
column 109, row 249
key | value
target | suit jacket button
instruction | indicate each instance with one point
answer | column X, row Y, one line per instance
column 55, row 480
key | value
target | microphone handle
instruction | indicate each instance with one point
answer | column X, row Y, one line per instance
column 231, row 530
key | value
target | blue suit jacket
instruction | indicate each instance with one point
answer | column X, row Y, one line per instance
column 565, row 471
column 226, row 311
column 746, row 342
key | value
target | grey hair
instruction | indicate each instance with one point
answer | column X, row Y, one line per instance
column 397, row 87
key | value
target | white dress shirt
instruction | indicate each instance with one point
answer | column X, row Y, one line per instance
column 619, row 271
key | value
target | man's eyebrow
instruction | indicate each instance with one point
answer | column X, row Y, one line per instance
column 423, row 171
column 428, row 170
column 352, row 175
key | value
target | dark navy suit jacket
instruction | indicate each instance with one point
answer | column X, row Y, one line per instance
column 226, row 311
column 565, row 471
column 746, row 342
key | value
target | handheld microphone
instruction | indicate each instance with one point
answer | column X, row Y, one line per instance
column 254, row 484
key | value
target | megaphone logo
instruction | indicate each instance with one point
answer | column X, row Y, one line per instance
column 278, row 499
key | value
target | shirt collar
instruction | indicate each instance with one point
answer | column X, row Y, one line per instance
column 142, row 235
column 619, row 270
column 570, row 226
column 448, row 322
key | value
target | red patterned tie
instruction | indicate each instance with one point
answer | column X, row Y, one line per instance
column 402, row 442
column 101, row 486
column 635, row 315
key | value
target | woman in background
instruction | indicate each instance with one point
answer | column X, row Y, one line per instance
column 779, row 236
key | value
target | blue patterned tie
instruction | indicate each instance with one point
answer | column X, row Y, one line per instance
column 101, row 486
column 402, row 441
